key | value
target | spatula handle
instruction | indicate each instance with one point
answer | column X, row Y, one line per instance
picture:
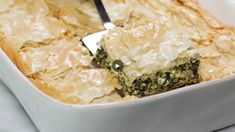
column 103, row 14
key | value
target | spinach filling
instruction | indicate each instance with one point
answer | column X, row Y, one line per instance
column 180, row 72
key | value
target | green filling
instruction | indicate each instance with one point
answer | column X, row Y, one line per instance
column 181, row 72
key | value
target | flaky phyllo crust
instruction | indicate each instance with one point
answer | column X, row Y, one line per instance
column 42, row 37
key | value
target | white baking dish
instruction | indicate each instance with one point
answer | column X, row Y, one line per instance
column 198, row 108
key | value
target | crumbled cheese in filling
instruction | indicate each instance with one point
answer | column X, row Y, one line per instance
column 146, row 47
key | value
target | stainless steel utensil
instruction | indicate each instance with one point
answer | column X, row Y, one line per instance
column 91, row 41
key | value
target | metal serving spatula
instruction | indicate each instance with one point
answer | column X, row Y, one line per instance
column 91, row 41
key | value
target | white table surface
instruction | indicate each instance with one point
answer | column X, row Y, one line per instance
column 12, row 116
column 14, row 119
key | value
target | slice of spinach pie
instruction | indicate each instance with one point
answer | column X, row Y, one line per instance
column 149, row 58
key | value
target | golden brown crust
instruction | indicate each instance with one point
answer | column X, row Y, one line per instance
column 215, row 43
column 209, row 19
column 13, row 54
column 55, row 93
column 15, row 58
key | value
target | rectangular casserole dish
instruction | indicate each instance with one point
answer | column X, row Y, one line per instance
column 202, row 107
